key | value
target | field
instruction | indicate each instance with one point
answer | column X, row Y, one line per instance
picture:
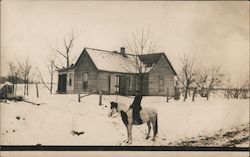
column 217, row 122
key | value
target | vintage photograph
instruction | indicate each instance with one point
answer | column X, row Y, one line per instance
column 125, row 73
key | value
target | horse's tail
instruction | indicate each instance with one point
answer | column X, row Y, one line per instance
column 156, row 124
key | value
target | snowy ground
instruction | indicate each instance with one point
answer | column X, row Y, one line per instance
column 180, row 122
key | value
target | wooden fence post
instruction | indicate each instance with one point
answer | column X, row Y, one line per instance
column 167, row 94
column 184, row 96
column 37, row 93
column 194, row 92
column 100, row 97
column 15, row 89
column 79, row 98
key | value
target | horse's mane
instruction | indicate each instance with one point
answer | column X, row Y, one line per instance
column 123, row 107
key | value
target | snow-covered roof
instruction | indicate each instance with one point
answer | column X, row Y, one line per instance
column 112, row 61
column 8, row 83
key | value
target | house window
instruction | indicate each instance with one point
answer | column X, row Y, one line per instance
column 85, row 81
column 161, row 83
column 129, row 83
column 70, row 79
column 117, row 82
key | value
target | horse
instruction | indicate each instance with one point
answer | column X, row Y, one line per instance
column 148, row 115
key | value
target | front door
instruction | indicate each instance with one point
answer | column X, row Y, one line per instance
column 62, row 83
column 122, row 85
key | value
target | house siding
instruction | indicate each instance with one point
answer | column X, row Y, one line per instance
column 103, row 81
column 85, row 65
column 162, row 68
column 106, row 82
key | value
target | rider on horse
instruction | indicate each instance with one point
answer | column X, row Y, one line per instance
column 136, row 108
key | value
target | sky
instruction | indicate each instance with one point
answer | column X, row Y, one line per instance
column 216, row 33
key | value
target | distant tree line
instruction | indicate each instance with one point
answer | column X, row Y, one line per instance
column 12, row 79
column 20, row 73
column 194, row 79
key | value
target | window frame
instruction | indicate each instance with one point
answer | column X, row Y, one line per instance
column 117, row 84
column 85, row 82
column 129, row 80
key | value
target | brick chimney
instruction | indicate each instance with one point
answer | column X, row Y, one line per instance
column 122, row 51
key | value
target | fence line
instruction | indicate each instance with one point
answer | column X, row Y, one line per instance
column 100, row 92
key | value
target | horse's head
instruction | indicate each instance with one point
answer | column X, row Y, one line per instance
column 113, row 108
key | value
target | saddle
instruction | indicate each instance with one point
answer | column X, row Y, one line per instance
column 137, row 122
column 137, row 119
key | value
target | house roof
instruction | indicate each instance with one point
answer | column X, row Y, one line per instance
column 113, row 61
column 150, row 58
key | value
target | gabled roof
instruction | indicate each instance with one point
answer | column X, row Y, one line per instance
column 113, row 61
column 151, row 59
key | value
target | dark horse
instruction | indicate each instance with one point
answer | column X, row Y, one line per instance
column 148, row 115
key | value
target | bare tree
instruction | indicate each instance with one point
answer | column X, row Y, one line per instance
column 13, row 75
column 215, row 78
column 65, row 52
column 140, row 43
column 201, row 81
column 228, row 86
column 208, row 79
column 51, row 69
column 25, row 69
column 187, row 72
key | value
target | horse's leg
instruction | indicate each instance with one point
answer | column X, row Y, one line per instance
column 153, row 123
column 130, row 133
column 149, row 128
column 129, row 130
column 127, row 134
column 155, row 127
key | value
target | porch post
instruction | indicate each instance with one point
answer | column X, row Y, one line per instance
column 37, row 93
column 100, row 97
column 79, row 98
column 167, row 94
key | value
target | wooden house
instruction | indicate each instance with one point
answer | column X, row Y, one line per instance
column 116, row 72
